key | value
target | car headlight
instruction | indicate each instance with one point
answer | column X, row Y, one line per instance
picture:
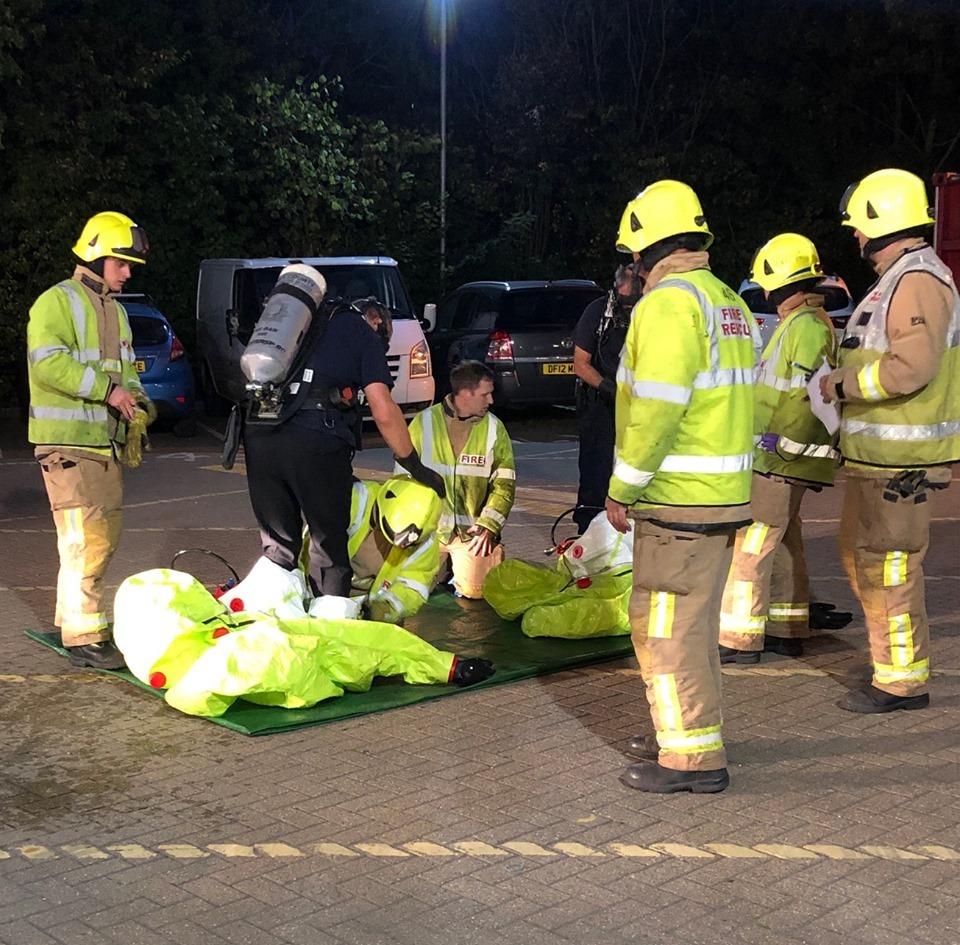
column 420, row 360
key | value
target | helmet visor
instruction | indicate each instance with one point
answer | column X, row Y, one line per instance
column 138, row 248
column 845, row 201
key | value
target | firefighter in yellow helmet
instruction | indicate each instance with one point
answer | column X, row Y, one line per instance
column 84, row 391
column 898, row 388
column 794, row 454
column 684, row 453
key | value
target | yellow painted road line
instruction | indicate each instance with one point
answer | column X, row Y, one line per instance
column 478, row 848
column 785, row 851
column 333, row 849
column 631, row 849
column 524, row 848
column 186, row 852
column 425, row 848
column 834, row 852
column 892, row 853
column 380, row 849
column 734, row 851
column 577, row 849
column 681, row 850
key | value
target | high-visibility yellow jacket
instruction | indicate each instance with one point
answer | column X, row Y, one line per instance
column 684, row 410
column 480, row 482
column 794, row 443
column 917, row 425
column 404, row 580
column 69, row 373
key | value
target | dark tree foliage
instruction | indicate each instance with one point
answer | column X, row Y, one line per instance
column 253, row 127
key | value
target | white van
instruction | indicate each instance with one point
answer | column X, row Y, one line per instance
column 230, row 294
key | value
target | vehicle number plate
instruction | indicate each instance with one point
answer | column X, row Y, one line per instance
column 554, row 368
column 141, row 366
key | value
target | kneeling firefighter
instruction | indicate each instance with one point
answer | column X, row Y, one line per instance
column 306, row 363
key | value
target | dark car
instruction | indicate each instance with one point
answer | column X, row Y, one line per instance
column 161, row 363
column 523, row 331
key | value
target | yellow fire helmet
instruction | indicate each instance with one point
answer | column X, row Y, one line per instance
column 886, row 202
column 783, row 260
column 407, row 511
column 112, row 234
column 665, row 208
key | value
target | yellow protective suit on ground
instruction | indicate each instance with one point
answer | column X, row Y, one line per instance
column 176, row 636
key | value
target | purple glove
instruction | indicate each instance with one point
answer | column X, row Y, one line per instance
column 768, row 442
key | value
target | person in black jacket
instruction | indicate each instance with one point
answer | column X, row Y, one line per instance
column 598, row 340
column 300, row 468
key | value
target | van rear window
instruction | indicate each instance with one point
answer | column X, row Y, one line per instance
column 345, row 282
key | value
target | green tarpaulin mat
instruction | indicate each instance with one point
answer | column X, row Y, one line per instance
column 467, row 628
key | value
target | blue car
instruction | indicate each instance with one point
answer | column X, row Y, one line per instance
column 161, row 363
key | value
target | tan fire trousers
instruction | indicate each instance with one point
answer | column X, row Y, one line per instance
column 768, row 589
column 469, row 571
column 86, row 498
column 882, row 547
column 678, row 580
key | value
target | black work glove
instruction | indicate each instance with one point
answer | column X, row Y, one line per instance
column 825, row 616
column 608, row 390
column 471, row 670
column 422, row 474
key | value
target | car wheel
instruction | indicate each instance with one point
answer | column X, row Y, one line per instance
column 185, row 427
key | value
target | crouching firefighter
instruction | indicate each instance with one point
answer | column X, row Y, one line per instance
column 306, row 364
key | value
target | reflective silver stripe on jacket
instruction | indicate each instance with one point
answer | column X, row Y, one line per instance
column 39, row 354
column 902, row 431
column 873, row 335
column 654, row 390
column 75, row 300
column 815, row 450
column 691, row 463
column 88, row 414
column 87, row 381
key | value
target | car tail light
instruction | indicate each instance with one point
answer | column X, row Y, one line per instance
column 500, row 347
column 176, row 349
column 420, row 360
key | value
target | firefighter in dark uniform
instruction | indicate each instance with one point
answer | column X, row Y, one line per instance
column 300, row 468
column 598, row 340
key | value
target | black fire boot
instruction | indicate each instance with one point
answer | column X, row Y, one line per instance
column 644, row 747
column 96, row 655
column 655, row 779
column 729, row 655
column 871, row 700
column 785, row 646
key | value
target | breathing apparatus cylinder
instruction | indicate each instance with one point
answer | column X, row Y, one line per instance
column 287, row 313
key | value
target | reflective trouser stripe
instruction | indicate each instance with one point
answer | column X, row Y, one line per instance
column 740, row 618
column 674, row 607
column 73, row 545
column 876, row 535
column 693, row 742
column 754, row 538
column 662, row 605
column 788, row 612
column 895, row 569
column 668, row 702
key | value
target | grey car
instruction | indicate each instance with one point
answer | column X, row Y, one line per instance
column 522, row 330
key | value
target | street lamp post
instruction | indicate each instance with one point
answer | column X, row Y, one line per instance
column 443, row 142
